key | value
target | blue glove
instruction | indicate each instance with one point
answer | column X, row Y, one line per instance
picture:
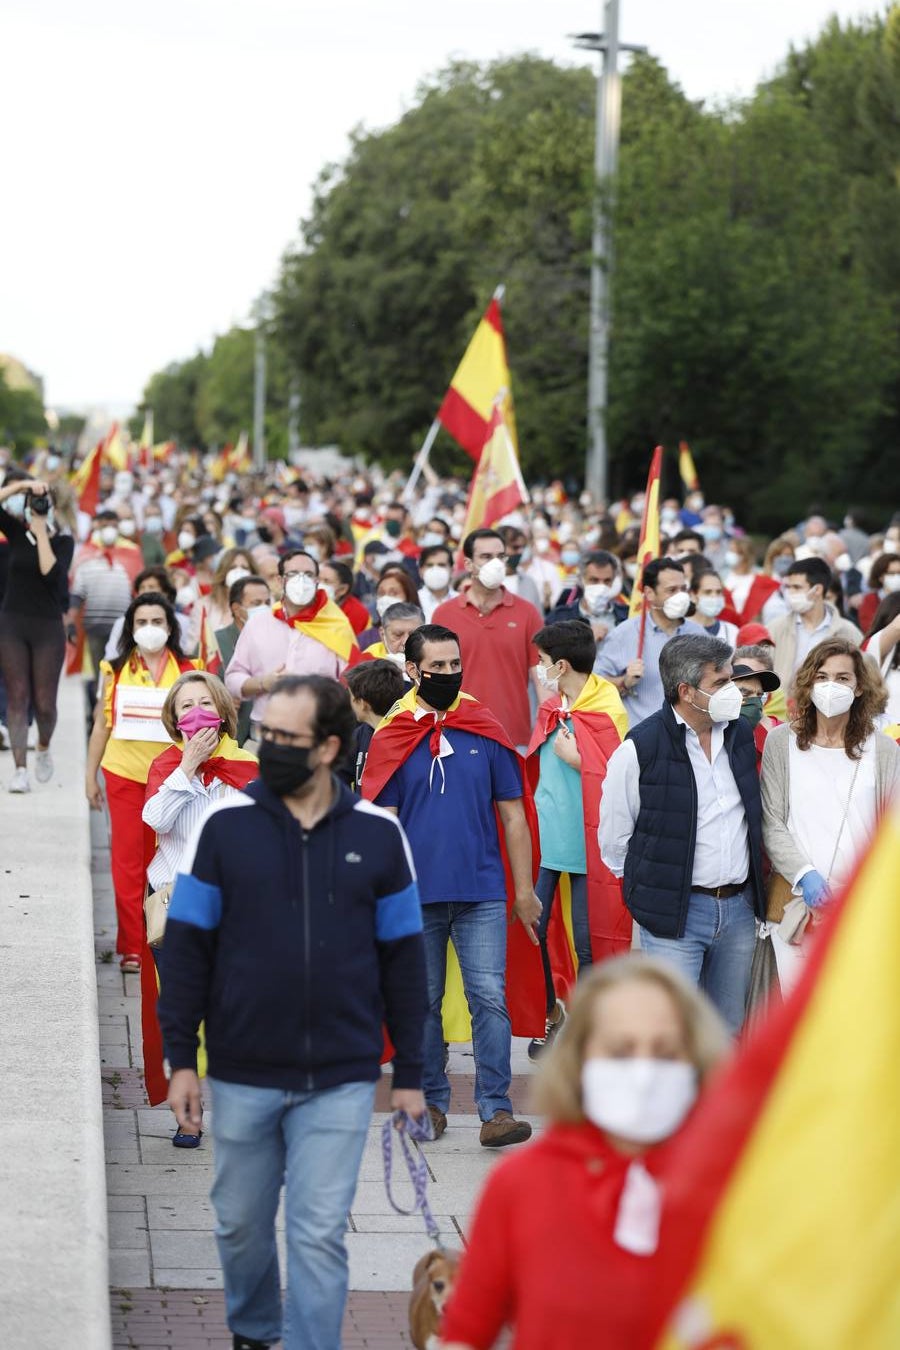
column 814, row 888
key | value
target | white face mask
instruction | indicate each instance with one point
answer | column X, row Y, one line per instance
column 798, row 603
column 631, row 570
column 843, row 562
column 398, row 658
column 329, row 590
column 832, row 699
column 384, row 602
column 597, row 597
column 891, row 546
column 890, row 582
column 108, row 535
column 436, row 577
column 234, row 575
column 186, row 540
column 300, row 589
column 542, row 544
column 185, row 597
column 711, row 606
column 677, row 605
column 642, row 1100
column 492, row 574
column 725, row 704
column 431, row 537
column 257, row 609
column 550, row 682
column 151, row 638
column 732, row 559
column 127, row 528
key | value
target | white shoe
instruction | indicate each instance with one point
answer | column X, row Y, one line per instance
column 19, row 781
column 43, row 765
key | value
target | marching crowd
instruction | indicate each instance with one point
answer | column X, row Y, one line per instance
column 378, row 782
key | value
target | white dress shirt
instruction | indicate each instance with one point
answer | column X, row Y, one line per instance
column 721, row 851
column 174, row 813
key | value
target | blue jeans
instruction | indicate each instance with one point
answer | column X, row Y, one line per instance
column 478, row 933
column 715, row 951
column 312, row 1143
column 545, row 889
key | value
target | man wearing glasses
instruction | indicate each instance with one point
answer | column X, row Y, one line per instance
column 294, row 932
column 495, row 629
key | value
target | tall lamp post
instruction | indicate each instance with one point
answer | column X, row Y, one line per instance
column 606, row 152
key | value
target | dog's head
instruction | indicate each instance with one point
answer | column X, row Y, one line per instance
column 436, row 1272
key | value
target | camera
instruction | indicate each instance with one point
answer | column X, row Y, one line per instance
column 40, row 506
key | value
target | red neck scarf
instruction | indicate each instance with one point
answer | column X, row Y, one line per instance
column 320, row 600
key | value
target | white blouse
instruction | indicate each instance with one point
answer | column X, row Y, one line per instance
column 820, row 782
column 174, row 813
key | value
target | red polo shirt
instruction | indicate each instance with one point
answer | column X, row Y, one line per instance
column 497, row 654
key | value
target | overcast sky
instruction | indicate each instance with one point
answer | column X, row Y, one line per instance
column 156, row 158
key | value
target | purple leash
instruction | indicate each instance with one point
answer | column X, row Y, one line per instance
column 407, row 1127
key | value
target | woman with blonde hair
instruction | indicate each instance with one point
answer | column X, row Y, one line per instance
column 827, row 777
column 562, row 1238
column 233, row 564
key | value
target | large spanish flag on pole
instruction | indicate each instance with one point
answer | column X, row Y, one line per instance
column 481, row 378
column 497, row 484
column 781, row 1223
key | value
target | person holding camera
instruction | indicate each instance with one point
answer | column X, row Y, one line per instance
column 32, row 634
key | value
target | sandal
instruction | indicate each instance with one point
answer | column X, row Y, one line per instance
column 131, row 964
column 182, row 1140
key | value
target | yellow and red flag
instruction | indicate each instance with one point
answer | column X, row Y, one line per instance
column 114, row 449
column 686, row 468
column 648, row 547
column 145, row 445
column 781, row 1222
column 482, row 377
column 497, row 484
column 208, row 654
column 86, row 480
column 240, row 460
column 327, row 623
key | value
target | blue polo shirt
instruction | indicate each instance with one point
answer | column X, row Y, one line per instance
column 449, row 816
column 621, row 647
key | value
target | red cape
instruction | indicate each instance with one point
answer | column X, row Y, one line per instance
column 393, row 742
column 761, row 589
column 597, row 737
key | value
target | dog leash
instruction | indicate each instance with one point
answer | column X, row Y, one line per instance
column 407, row 1127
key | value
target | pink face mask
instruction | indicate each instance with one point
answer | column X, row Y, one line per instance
column 198, row 719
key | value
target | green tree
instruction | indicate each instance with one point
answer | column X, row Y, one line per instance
column 173, row 395
column 22, row 420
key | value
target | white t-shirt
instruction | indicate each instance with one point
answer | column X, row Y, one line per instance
column 820, row 781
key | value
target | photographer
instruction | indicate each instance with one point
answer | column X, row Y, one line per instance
column 32, row 636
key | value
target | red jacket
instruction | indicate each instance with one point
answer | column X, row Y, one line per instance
column 541, row 1255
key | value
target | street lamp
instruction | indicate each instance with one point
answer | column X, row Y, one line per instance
column 606, row 151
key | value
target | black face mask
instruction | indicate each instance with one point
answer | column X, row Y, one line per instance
column 439, row 691
column 285, row 768
column 264, row 533
column 512, row 561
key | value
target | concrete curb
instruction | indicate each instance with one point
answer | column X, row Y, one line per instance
column 53, row 1232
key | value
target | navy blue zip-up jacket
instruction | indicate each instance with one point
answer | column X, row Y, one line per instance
column 295, row 946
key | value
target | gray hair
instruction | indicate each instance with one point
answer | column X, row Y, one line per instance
column 681, row 661
column 402, row 610
column 756, row 652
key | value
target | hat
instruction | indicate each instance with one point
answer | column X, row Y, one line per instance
column 375, row 546
column 767, row 678
column 753, row 633
column 275, row 515
column 205, row 547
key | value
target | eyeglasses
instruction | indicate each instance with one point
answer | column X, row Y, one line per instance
column 277, row 736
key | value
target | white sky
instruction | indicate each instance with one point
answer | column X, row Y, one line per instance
column 156, row 158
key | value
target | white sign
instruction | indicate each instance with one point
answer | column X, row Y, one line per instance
column 138, row 714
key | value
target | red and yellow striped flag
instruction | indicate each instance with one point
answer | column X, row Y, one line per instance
column 648, row 547
column 781, row 1225
column 497, row 484
column 86, row 480
column 686, row 468
column 208, row 654
column 481, row 378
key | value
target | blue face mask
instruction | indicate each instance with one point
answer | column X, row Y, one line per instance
column 570, row 557
column 15, row 504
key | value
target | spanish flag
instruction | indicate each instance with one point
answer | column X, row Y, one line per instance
column 481, row 378
column 599, row 722
column 396, row 736
column 208, row 654
column 648, row 547
column 497, row 483
column 327, row 623
column 781, row 1223
column 86, row 480
column 686, row 468
column 145, row 445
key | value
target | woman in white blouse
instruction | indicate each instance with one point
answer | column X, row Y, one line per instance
column 827, row 777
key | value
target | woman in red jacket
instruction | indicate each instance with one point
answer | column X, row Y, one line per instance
column 562, row 1241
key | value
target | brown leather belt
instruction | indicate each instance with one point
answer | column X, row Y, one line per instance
column 721, row 892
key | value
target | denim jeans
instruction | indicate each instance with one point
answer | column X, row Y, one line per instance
column 312, row 1143
column 545, row 889
column 715, row 951
column 478, row 933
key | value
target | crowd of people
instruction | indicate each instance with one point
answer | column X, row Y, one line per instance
column 441, row 773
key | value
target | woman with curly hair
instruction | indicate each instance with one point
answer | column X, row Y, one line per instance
column 827, row 777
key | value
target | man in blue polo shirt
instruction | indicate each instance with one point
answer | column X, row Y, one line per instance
column 637, row 677
column 441, row 761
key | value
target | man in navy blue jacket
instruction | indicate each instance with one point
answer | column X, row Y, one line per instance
column 295, row 933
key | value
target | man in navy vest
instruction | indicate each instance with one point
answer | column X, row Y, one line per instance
column 681, row 823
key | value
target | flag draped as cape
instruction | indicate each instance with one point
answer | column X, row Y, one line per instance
column 327, row 623
column 600, row 722
column 394, row 741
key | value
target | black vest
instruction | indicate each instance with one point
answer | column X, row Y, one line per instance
column 660, row 860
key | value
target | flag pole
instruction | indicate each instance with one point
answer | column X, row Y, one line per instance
column 421, row 460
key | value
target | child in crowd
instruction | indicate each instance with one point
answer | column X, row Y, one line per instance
column 375, row 686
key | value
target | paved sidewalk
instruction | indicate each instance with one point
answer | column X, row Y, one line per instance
column 164, row 1275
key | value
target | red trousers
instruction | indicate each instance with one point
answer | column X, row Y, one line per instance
column 131, row 848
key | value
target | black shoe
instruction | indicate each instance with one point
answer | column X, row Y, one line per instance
column 552, row 1027
column 247, row 1343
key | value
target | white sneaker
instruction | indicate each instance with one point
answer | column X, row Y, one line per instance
column 43, row 765
column 20, row 781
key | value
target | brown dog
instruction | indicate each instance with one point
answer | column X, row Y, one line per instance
column 432, row 1281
